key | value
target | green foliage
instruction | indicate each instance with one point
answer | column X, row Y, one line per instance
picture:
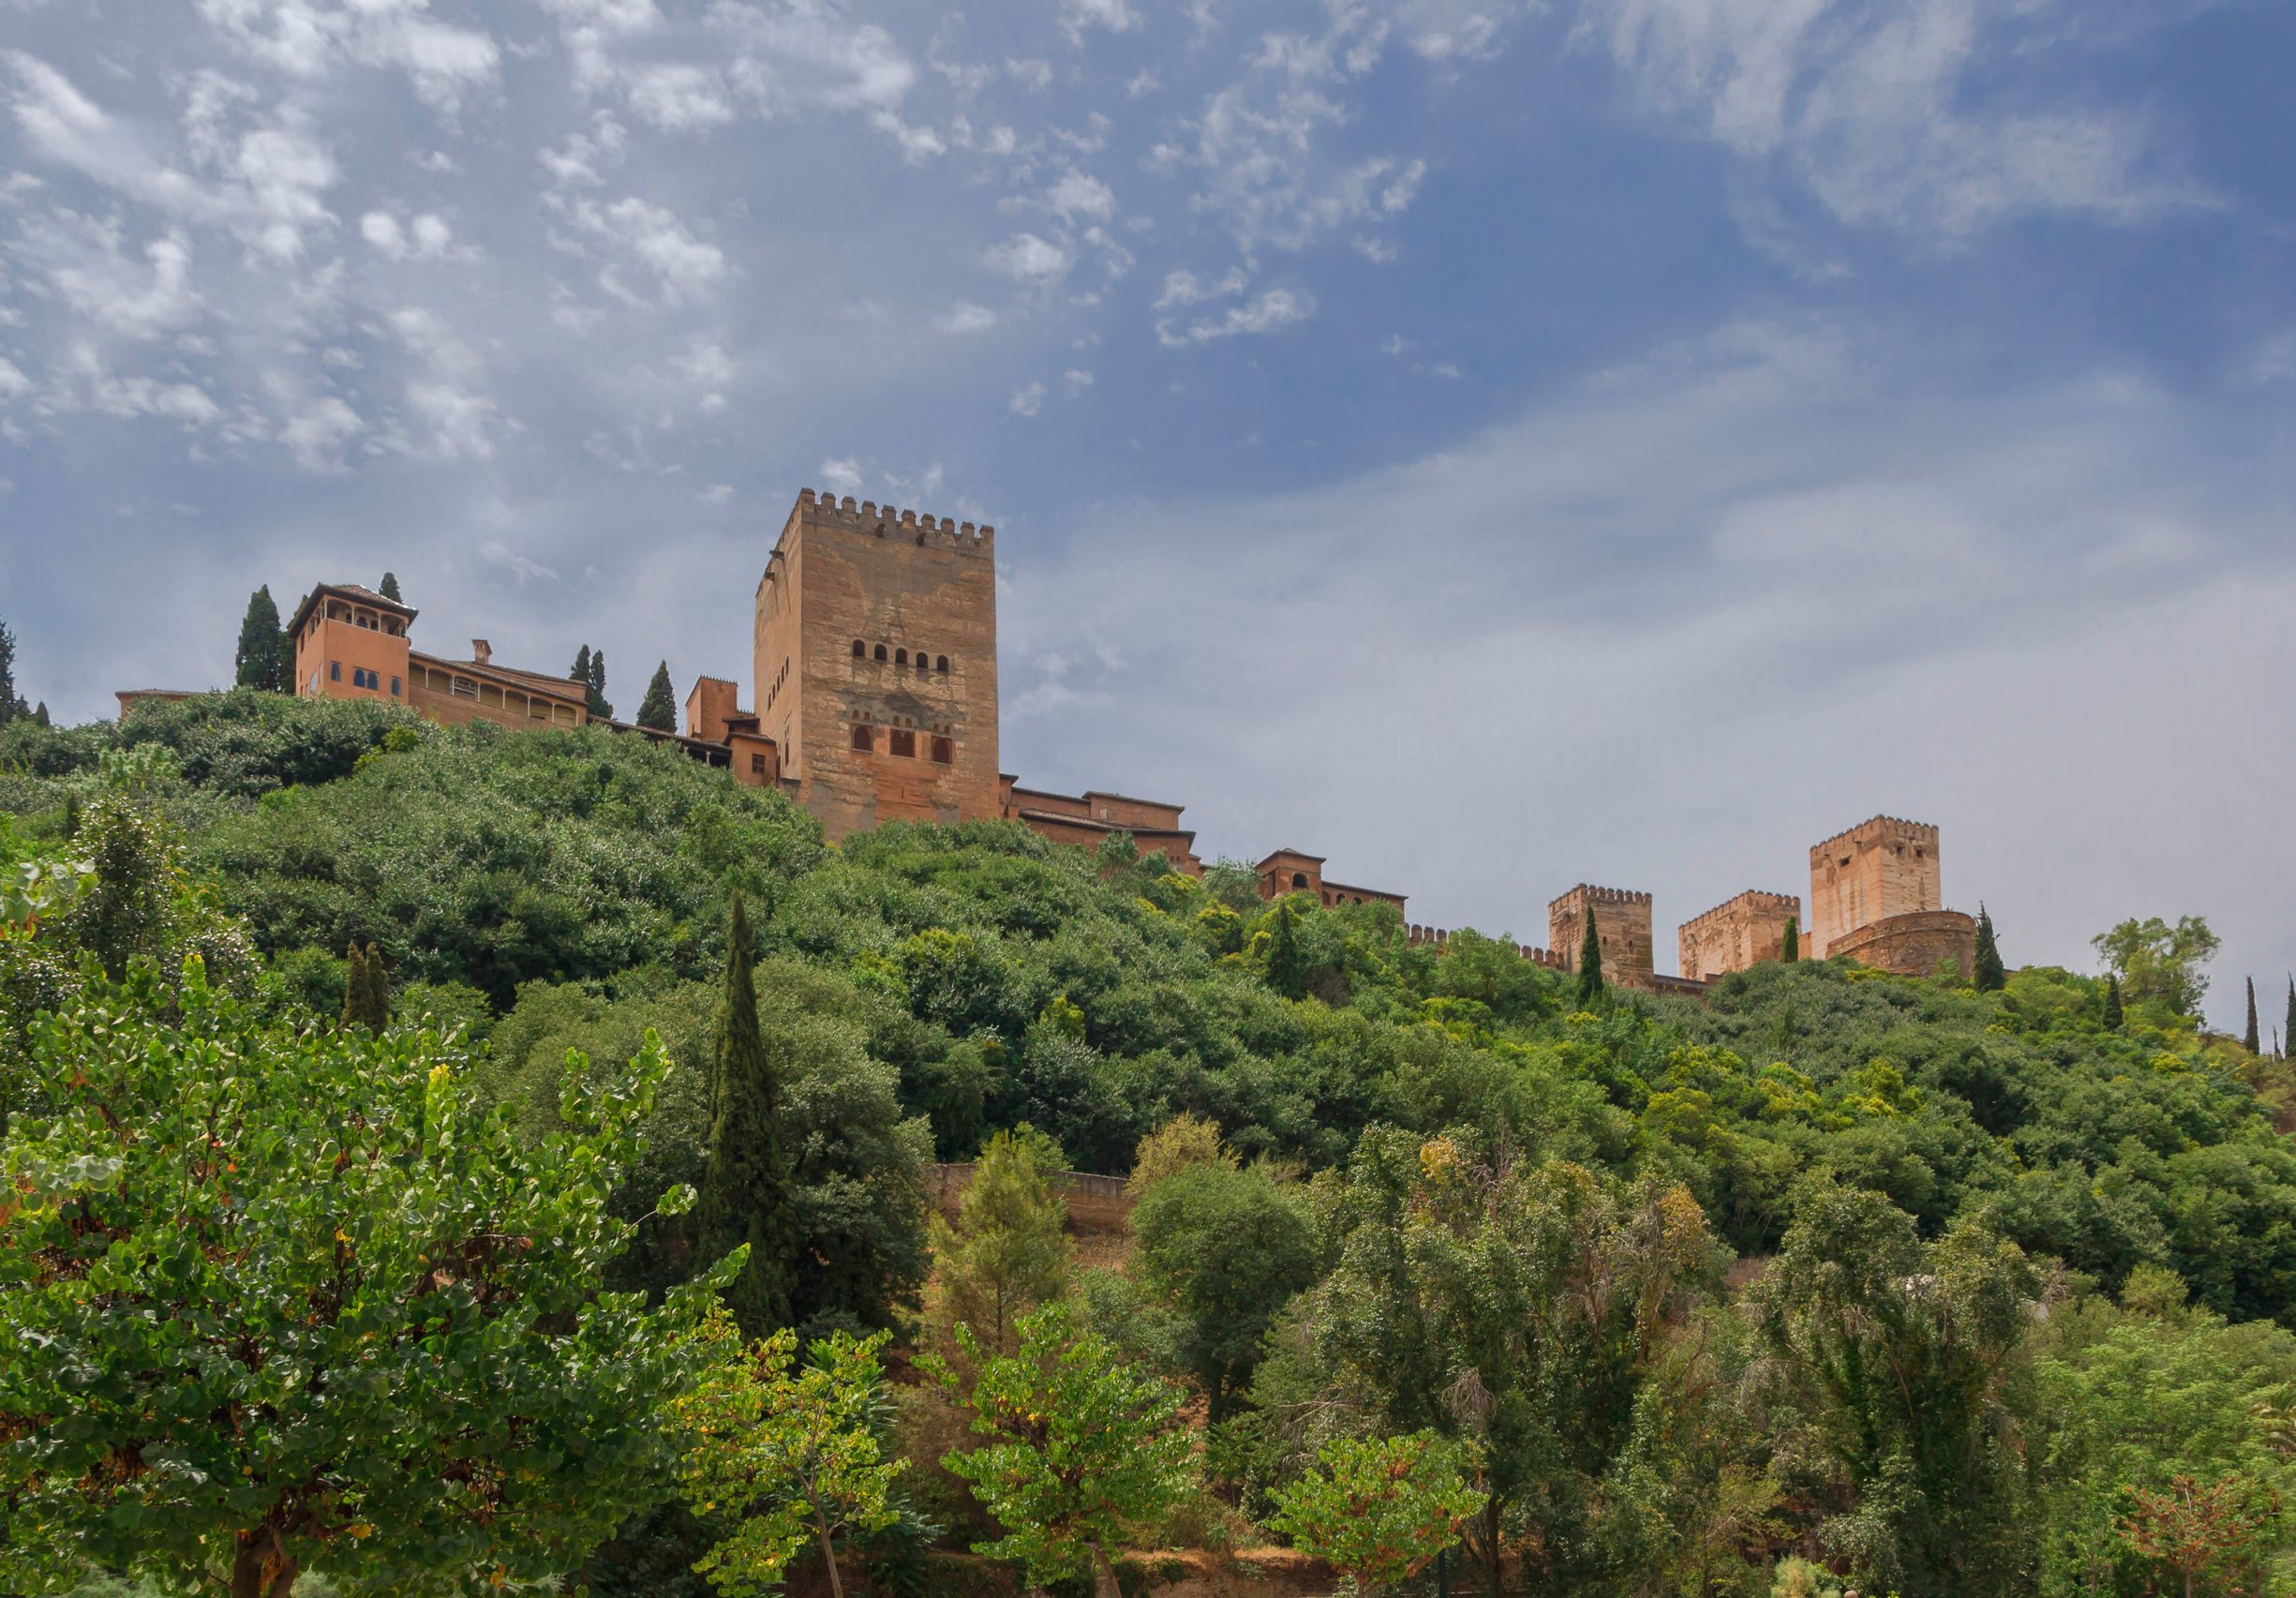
column 1380, row 1510
column 1082, row 1449
column 2249, row 1040
column 1989, row 974
column 1589, row 962
column 1790, row 945
column 783, row 1456
column 389, row 587
column 2115, row 1017
column 1894, row 1360
column 242, row 1330
column 11, row 702
column 2158, row 963
column 1227, row 1248
column 745, row 1200
column 366, row 992
column 1007, row 1253
column 659, row 710
column 255, row 663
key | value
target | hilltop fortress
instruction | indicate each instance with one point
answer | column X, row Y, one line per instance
column 873, row 685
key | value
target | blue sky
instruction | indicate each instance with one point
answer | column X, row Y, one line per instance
column 1491, row 445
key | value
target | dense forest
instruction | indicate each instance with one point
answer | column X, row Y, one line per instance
column 463, row 1161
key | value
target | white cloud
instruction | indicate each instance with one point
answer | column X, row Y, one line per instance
column 316, row 434
column 1186, row 289
column 425, row 238
column 1027, row 400
column 965, row 316
column 653, row 237
column 308, row 39
column 680, row 97
column 1265, row 313
column 842, row 473
column 1036, row 74
column 1080, row 194
column 1076, row 16
column 523, row 568
column 1028, row 259
column 13, row 383
column 1874, row 110
column 1076, row 381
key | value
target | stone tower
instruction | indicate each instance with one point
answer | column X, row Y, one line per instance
column 1878, row 869
column 876, row 658
column 1621, row 923
column 1735, row 933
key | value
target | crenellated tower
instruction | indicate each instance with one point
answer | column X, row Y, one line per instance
column 876, row 658
column 1622, row 925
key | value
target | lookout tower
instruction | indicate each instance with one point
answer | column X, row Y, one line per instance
column 876, row 658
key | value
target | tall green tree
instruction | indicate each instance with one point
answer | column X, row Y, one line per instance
column 1589, row 962
column 1790, row 947
column 2251, row 1039
column 2114, row 1016
column 12, row 703
column 600, row 708
column 243, row 1331
column 1081, row 1451
column 2287, row 1033
column 2159, row 963
column 1007, row 1252
column 1287, row 965
column 255, row 663
column 580, row 670
column 1987, row 970
column 659, row 710
column 1895, row 1356
column 745, row 1197
column 390, row 587
column 1227, row 1248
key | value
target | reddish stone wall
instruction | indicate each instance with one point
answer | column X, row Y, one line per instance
column 1915, row 944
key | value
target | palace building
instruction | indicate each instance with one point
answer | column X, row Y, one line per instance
column 873, row 698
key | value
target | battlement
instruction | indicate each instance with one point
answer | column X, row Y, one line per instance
column 1878, row 826
column 1585, row 893
column 1438, row 939
column 1754, row 900
column 868, row 516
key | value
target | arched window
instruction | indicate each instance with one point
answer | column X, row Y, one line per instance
column 859, row 649
column 944, row 750
column 861, row 740
column 1299, row 879
column 902, row 743
column 901, row 657
column 880, row 652
column 940, row 663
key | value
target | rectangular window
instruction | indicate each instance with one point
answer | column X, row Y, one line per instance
column 757, row 764
column 860, row 738
column 464, row 688
column 944, row 750
column 904, row 743
column 334, row 671
column 394, row 687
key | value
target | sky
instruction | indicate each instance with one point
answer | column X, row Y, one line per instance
column 1492, row 445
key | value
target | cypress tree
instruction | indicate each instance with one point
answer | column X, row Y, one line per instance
column 39, row 714
column 255, row 663
column 1989, row 974
column 71, row 817
column 367, row 991
column 2287, row 1033
column 11, row 705
column 2112, row 1004
column 286, row 661
column 1790, row 947
column 581, row 669
column 2251, row 1040
column 390, row 587
column 1589, row 962
column 601, row 707
column 660, row 710
column 1286, row 971
column 745, row 1184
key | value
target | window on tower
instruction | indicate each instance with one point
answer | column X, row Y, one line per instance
column 944, row 750
column 859, row 649
column 861, row 740
column 880, row 652
column 903, row 742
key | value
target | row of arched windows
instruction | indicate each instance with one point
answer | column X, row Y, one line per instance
column 901, row 657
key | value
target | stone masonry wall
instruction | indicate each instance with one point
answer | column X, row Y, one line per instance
column 1621, row 924
column 1735, row 933
column 1881, row 868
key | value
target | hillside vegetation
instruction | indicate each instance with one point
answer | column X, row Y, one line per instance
column 1834, row 1278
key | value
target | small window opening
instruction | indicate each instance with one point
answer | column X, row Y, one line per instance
column 859, row 649
column 904, row 744
column 1299, row 879
column 940, row 663
column 944, row 750
column 880, row 652
column 861, row 740
column 757, row 764
column 334, row 671
column 901, row 657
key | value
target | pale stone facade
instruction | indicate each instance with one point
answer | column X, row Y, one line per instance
column 1622, row 927
column 1735, row 933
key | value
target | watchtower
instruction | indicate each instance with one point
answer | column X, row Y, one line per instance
column 1735, row 933
column 875, row 659
column 1878, row 869
column 1621, row 926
